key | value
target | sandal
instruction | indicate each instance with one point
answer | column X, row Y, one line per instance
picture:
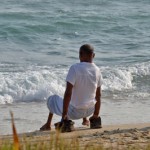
column 95, row 123
column 65, row 126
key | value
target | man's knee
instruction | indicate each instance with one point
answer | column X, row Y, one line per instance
column 50, row 100
column 55, row 104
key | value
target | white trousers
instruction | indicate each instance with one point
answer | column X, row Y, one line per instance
column 55, row 106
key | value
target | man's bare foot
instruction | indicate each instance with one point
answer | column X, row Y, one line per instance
column 85, row 123
column 45, row 127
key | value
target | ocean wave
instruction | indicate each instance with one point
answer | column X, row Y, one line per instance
column 30, row 85
column 122, row 77
column 37, row 83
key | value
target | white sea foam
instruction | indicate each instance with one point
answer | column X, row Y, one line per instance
column 117, row 79
column 120, row 78
column 38, row 83
column 30, row 85
column 140, row 69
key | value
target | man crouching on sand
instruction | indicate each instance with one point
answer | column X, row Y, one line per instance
column 82, row 96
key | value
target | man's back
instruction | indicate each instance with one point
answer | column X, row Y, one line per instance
column 85, row 78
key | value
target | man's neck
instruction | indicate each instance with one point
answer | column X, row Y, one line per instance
column 87, row 61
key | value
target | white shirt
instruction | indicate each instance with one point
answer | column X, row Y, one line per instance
column 85, row 78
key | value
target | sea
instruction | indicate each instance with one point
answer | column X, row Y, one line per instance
column 40, row 40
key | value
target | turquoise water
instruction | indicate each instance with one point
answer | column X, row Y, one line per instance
column 39, row 40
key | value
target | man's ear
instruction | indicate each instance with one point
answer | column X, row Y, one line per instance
column 93, row 55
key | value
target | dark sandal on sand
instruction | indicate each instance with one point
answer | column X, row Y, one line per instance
column 95, row 123
column 65, row 126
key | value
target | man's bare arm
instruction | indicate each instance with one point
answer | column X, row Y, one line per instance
column 98, row 102
column 67, row 98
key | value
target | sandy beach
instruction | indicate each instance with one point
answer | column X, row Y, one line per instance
column 113, row 137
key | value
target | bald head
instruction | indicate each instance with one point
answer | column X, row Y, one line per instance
column 87, row 49
column 86, row 53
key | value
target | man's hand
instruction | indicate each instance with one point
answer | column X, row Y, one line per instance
column 93, row 117
column 64, row 117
